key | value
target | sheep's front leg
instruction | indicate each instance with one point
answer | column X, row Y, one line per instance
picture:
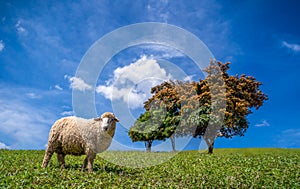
column 90, row 161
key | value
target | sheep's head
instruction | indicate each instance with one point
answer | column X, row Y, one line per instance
column 108, row 121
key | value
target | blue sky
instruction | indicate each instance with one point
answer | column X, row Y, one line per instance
column 43, row 42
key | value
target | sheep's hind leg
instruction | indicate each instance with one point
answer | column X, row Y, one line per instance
column 61, row 160
column 84, row 163
column 47, row 157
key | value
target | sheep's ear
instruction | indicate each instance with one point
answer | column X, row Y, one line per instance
column 116, row 119
column 98, row 119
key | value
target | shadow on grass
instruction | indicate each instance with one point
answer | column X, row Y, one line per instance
column 115, row 169
column 103, row 168
column 76, row 166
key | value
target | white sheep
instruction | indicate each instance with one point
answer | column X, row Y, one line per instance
column 78, row 136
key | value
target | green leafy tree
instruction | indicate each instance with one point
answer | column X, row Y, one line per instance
column 151, row 126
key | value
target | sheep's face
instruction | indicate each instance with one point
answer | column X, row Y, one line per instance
column 108, row 121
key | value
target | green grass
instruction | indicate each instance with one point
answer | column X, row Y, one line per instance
column 226, row 168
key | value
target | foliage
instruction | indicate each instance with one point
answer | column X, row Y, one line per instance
column 160, row 119
column 228, row 98
column 242, row 94
column 215, row 106
column 151, row 126
column 226, row 168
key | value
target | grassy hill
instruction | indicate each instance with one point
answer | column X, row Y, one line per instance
column 226, row 168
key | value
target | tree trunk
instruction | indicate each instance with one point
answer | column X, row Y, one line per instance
column 211, row 148
column 210, row 144
column 148, row 145
column 172, row 138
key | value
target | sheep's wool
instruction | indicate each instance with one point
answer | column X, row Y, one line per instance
column 91, row 132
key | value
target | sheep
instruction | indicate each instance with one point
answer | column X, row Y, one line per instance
column 77, row 136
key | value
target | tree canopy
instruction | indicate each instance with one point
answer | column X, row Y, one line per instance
column 215, row 106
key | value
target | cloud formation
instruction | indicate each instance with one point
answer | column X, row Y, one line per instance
column 2, row 45
column 293, row 47
column 132, row 83
column 67, row 113
column 26, row 115
column 3, row 146
column 162, row 51
column 188, row 78
column 25, row 126
column 33, row 96
column 20, row 28
column 58, row 87
column 289, row 138
column 158, row 10
column 77, row 84
column 264, row 123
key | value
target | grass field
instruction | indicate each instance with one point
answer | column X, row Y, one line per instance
column 226, row 168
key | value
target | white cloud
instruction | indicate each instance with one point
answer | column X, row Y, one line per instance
column 78, row 83
column 24, row 125
column 294, row 132
column 3, row 146
column 188, row 78
column 204, row 14
column 293, row 47
column 264, row 123
column 58, row 87
column 289, row 138
column 33, row 96
column 67, row 113
column 20, row 28
column 132, row 83
column 65, row 107
column 143, row 68
column 132, row 97
column 2, row 45
column 158, row 10
column 162, row 52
